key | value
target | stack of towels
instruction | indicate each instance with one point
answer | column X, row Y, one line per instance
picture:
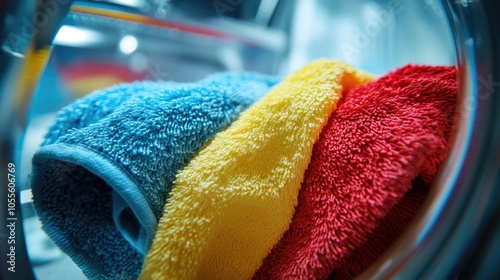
column 241, row 175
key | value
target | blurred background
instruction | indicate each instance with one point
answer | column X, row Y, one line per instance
column 106, row 42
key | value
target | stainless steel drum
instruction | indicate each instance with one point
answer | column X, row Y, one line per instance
column 45, row 42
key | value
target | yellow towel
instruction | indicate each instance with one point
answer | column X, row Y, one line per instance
column 236, row 198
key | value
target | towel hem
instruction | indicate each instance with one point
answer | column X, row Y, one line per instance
column 103, row 167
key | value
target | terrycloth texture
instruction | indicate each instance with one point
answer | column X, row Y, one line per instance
column 103, row 174
column 236, row 198
column 381, row 137
column 389, row 229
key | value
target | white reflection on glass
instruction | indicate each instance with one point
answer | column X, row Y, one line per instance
column 128, row 44
column 78, row 37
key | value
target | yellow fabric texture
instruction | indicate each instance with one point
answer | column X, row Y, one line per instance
column 231, row 204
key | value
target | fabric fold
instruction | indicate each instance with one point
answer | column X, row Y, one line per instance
column 235, row 199
column 387, row 231
column 107, row 165
column 382, row 136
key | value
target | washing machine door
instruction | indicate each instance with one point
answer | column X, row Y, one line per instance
column 457, row 233
column 21, row 63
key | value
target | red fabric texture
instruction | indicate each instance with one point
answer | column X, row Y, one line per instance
column 389, row 229
column 381, row 137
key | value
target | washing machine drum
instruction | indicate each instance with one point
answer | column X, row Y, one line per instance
column 456, row 234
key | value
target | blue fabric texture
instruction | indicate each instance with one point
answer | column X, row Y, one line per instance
column 108, row 163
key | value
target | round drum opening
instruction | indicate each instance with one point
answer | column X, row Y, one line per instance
column 95, row 44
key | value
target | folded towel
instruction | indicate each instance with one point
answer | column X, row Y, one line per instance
column 102, row 176
column 381, row 137
column 388, row 230
column 235, row 199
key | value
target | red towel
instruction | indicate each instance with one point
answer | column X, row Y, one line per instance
column 381, row 137
column 391, row 226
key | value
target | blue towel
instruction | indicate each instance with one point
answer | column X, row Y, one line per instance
column 108, row 163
